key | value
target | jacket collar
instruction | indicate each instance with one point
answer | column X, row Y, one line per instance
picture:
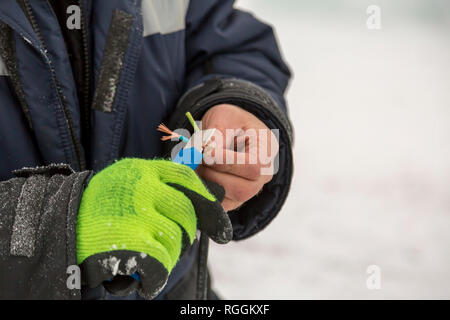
column 12, row 15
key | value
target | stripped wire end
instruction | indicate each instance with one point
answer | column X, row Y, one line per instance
column 171, row 135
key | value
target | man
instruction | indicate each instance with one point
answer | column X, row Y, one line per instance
column 77, row 95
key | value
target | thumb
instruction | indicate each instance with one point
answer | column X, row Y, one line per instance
column 212, row 218
column 216, row 189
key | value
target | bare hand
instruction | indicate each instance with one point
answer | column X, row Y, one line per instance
column 242, row 160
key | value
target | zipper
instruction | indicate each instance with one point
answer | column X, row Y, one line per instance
column 86, row 116
column 77, row 145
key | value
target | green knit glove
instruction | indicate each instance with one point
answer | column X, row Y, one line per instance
column 137, row 216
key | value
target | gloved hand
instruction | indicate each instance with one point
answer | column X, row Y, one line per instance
column 140, row 216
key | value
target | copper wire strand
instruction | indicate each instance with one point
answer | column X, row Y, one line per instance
column 162, row 128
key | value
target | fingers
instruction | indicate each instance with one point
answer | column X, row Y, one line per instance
column 182, row 184
column 211, row 217
column 240, row 164
column 113, row 269
column 237, row 189
column 170, row 172
column 229, row 205
column 237, row 163
column 216, row 189
column 246, row 155
column 174, row 205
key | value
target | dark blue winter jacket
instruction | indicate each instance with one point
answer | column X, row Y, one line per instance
column 146, row 62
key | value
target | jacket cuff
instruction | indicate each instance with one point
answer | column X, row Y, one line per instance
column 259, row 211
column 42, row 231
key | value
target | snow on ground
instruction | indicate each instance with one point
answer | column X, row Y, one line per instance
column 371, row 112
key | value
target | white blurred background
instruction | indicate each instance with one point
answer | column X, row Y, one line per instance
column 371, row 112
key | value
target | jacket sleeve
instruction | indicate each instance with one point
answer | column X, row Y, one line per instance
column 234, row 58
column 38, row 211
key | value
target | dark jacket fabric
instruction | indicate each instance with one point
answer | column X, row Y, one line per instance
column 37, row 232
column 145, row 62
